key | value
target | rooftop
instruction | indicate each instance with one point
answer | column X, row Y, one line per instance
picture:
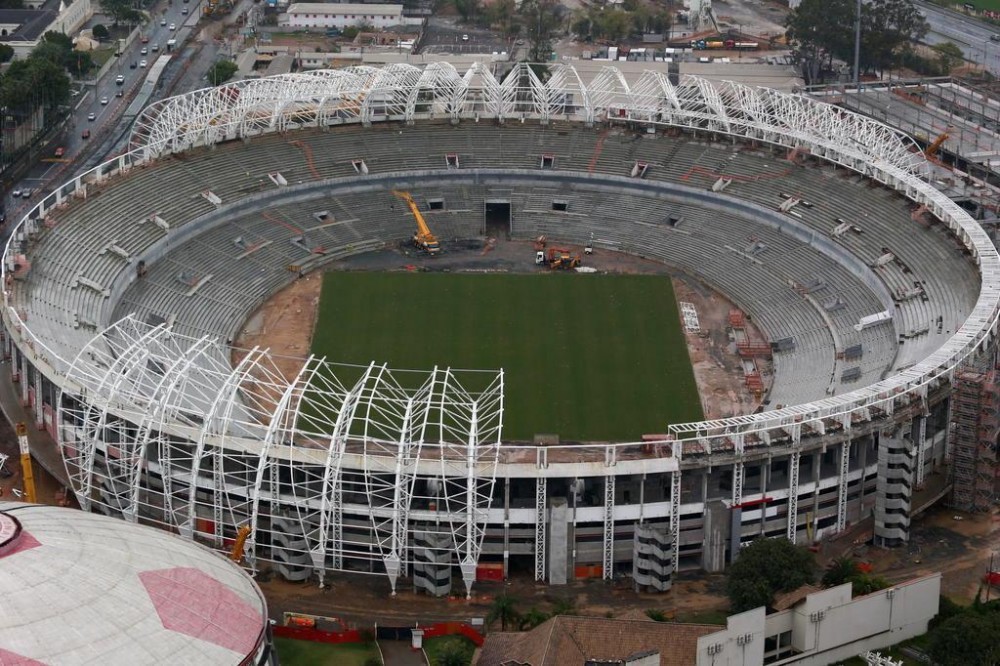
column 567, row 640
column 344, row 8
column 83, row 588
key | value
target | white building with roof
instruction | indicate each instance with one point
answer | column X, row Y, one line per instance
column 82, row 588
column 343, row 15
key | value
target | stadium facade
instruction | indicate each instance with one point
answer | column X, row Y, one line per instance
column 407, row 473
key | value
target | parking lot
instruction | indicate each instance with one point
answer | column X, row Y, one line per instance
column 445, row 36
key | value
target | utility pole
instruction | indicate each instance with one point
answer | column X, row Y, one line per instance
column 857, row 48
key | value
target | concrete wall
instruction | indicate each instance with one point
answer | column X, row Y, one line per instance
column 828, row 626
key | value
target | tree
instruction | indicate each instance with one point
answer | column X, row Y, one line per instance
column 222, row 71
column 6, row 53
column 100, row 32
column 970, row 638
column 121, row 11
column 467, row 9
column 502, row 15
column 840, row 571
column 540, row 19
column 504, row 609
column 818, row 29
column 454, row 653
column 764, row 568
column 532, row 619
column 11, row 4
column 949, row 55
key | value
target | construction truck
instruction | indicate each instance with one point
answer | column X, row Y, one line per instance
column 557, row 259
column 423, row 239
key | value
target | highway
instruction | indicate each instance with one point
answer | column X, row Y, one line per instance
column 970, row 35
column 106, row 116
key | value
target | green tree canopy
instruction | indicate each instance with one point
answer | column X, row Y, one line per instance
column 541, row 19
column 764, row 568
column 968, row 639
column 6, row 53
column 100, row 32
column 222, row 71
column 821, row 30
column 503, row 608
column 122, row 11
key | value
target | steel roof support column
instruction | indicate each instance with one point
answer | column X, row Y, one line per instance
column 331, row 499
column 738, row 470
column 274, row 429
column 920, row 439
column 471, row 556
column 540, row 527
column 842, row 482
column 675, row 519
column 793, row 483
column 609, row 528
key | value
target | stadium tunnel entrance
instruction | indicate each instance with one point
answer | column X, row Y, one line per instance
column 497, row 218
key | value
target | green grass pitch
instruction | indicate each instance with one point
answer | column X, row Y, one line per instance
column 589, row 357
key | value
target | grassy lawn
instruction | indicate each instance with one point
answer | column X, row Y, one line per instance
column 703, row 617
column 306, row 653
column 589, row 357
column 101, row 56
column 435, row 647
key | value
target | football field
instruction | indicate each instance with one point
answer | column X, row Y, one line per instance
column 587, row 357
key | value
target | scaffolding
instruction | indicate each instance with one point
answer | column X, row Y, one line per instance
column 975, row 424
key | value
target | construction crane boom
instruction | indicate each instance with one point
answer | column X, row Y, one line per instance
column 423, row 239
column 242, row 534
column 26, row 470
column 936, row 144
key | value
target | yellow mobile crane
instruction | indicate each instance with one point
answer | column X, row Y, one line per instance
column 423, row 238
column 26, row 470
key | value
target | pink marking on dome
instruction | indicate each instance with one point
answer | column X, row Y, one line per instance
column 191, row 602
column 23, row 541
column 8, row 658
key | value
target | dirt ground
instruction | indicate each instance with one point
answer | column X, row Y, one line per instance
column 284, row 324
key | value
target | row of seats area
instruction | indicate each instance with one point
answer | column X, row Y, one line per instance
column 795, row 293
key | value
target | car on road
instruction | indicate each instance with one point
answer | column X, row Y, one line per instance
column 154, row 48
column 120, row 93
column 60, row 151
column 16, row 193
column 132, row 65
column 465, row 38
column 85, row 134
column 91, row 116
column 163, row 22
column 104, row 101
column 27, row 192
column 172, row 27
column 143, row 51
column 995, row 37
column 142, row 64
column 120, row 79
column 184, row 11
column 145, row 39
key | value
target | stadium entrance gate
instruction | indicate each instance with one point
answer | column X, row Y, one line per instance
column 497, row 218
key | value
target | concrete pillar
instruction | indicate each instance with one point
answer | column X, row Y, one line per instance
column 558, row 544
column 25, row 379
column 39, row 402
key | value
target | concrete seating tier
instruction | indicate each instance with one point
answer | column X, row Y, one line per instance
column 716, row 248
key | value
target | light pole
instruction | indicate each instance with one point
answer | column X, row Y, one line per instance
column 857, row 48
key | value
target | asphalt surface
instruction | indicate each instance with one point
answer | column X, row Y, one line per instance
column 106, row 127
column 969, row 34
column 443, row 35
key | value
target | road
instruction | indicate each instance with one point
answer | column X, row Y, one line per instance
column 970, row 35
column 106, row 116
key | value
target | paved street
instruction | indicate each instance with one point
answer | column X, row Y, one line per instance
column 972, row 36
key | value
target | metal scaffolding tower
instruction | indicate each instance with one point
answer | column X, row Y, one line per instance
column 975, row 425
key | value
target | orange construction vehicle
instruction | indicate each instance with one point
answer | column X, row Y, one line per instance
column 423, row 239
column 558, row 259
